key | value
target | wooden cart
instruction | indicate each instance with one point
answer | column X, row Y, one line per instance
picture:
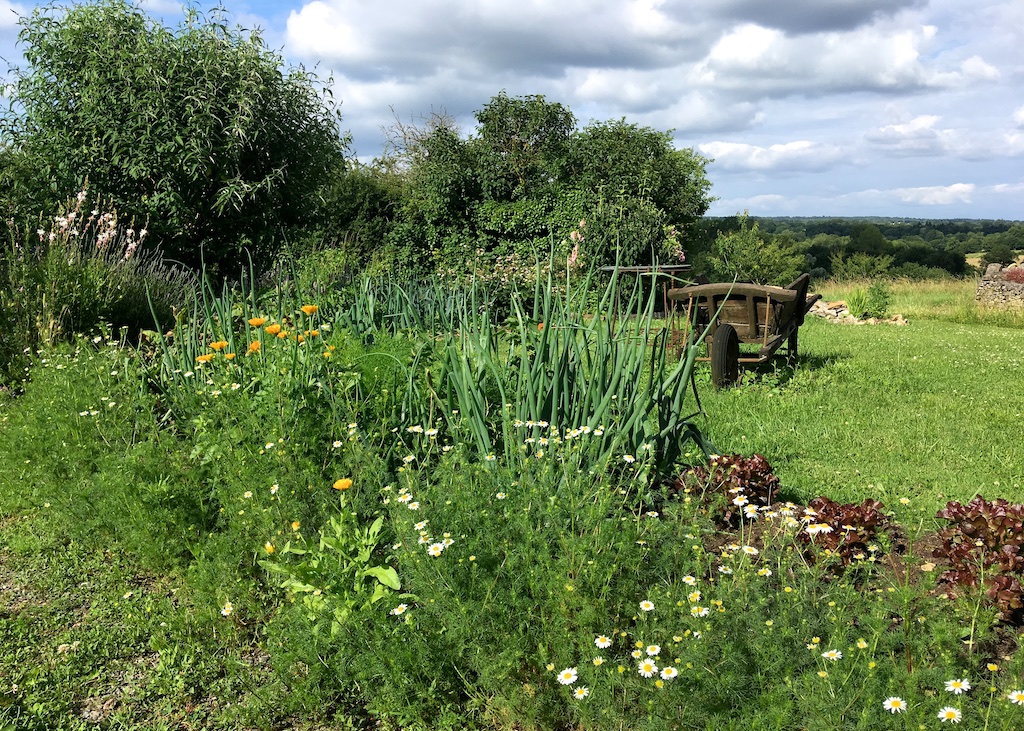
column 735, row 313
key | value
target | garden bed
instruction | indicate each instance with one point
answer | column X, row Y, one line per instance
column 327, row 543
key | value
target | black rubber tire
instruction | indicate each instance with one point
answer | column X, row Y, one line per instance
column 725, row 356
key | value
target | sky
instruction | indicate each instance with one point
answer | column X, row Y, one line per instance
column 895, row 108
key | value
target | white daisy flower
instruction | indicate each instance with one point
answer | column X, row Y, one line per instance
column 894, row 705
column 647, row 668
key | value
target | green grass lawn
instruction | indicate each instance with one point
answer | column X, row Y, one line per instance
column 929, row 411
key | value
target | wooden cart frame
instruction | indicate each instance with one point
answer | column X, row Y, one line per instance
column 735, row 313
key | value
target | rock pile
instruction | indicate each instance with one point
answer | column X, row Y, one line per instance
column 838, row 312
column 995, row 290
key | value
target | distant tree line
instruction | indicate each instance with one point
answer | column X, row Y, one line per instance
column 770, row 250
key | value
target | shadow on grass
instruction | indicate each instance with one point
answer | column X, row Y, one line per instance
column 778, row 372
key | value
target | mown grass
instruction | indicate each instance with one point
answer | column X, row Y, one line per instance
column 926, row 411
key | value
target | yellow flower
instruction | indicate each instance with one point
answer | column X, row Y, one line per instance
column 309, row 309
column 295, row 525
column 273, row 329
column 219, row 345
column 204, row 358
column 301, row 338
column 229, row 356
column 268, row 547
column 254, row 347
column 313, row 333
column 257, row 321
column 659, row 683
column 343, row 484
column 282, row 334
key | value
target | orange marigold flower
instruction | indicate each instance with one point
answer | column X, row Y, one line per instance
column 219, row 345
column 301, row 338
column 229, row 356
column 282, row 334
column 273, row 329
column 295, row 525
column 313, row 333
column 204, row 358
column 254, row 346
column 257, row 321
column 268, row 547
column 343, row 484
column 309, row 309
column 540, row 325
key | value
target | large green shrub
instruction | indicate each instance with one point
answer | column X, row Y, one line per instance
column 196, row 132
column 528, row 182
column 749, row 256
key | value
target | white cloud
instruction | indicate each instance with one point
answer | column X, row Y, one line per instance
column 936, row 195
column 879, row 57
column 932, row 195
column 977, row 69
column 917, row 136
column 802, row 155
column 1008, row 188
column 808, row 16
column 780, row 93
column 10, row 13
column 161, row 7
column 1013, row 144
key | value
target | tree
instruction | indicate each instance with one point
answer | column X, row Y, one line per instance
column 527, row 180
column 867, row 238
column 747, row 256
column 196, row 130
column 620, row 157
column 521, row 142
column 998, row 253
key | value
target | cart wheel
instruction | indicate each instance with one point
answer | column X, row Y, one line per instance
column 725, row 356
column 791, row 349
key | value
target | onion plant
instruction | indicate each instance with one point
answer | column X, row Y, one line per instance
column 607, row 371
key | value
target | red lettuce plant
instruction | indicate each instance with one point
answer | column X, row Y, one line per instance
column 846, row 530
column 983, row 548
column 730, row 483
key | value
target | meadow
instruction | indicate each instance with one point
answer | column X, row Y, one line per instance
column 371, row 504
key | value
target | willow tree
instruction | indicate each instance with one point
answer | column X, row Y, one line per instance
column 198, row 131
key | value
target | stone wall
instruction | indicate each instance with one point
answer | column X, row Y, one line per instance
column 994, row 289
